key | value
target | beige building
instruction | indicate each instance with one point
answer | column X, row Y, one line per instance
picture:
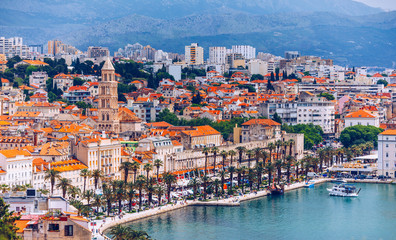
column 202, row 136
column 100, row 153
column 194, row 55
column 258, row 130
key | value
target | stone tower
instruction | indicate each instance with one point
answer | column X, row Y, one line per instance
column 108, row 100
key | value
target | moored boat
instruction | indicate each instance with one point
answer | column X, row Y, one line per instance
column 277, row 190
column 344, row 190
column 338, row 180
column 310, row 184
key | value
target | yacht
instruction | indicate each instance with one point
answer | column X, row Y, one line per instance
column 344, row 190
column 310, row 184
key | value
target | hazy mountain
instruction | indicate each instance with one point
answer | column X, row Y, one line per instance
column 345, row 30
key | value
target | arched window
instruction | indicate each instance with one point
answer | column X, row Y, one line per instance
column 108, row 118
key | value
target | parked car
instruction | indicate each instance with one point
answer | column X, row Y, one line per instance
column 369, row 177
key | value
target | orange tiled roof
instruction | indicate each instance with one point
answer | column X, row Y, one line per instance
column 360, row 114
column 268, row 122
column 11, row 153
column 389, row 132
column 201, row 131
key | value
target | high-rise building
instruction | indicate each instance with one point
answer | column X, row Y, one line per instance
column 54, row 47
column 292, row 54
column 217, row 55
column 108, row 100
column 194, row 55
column 248, row 52
column 11, row 47
column 98, row 52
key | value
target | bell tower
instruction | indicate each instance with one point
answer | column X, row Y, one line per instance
column 108, row 100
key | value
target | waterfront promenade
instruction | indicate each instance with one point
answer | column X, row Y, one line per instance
column 101, row 226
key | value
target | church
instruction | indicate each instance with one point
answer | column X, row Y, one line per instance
column 111, row 118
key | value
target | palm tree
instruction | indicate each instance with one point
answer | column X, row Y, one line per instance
column 215, row 151
column 78, row 205
column 150, row 190
column 85, row 173
column 269, row 168
column 140, row 183
column 120, row 232
column 158, row 163
column 232, row 153
column 126, row 167
column 130, row 193
column 265, row 156
column 216, row 184
column 64, row 184
column 169, row 179
column 240, row 150
column 44, row 191
column 147, row 167
column 288, row 164
column 119, row 193
column 257, row 153
column 279, row 165
column 96, row 175
column 88, row 194
column 250, row 153
column 159, row 191
column 74, row 191
column 244, row 169
column 97, row 202
column 135, row 168
column 251, row 178
column 239, row 176
column 52, row 175
column 271, row 147
column 4, row 188
column 222, row 179
column 108, row 196
column 194, row 183
column 231, row 170
column 205, row 180
column 291, row 143
column 206, row 151
column 224, row 155
column 259, row 172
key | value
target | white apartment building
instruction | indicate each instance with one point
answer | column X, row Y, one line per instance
column 387, row 153
column 306, row 110
column 217, row 55
column 16, row 167
column 194, row 55
column 13, row 46
column 248, row 52
column 39, row 79
column 257, row 66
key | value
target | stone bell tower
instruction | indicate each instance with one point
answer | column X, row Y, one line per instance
column 108, row 100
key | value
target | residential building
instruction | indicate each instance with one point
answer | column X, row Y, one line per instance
column 248, row 52
column 387, row 153
column 194, row 55
column 217, row 55
column 259, row 130
column 38, row 79
column 200, row 137
column 62, row 81
column 98, row 52
column 13, row 46
column 100, row 153
column 292, row 54
column 77, row 94
column 362, row 117
column 16, row 166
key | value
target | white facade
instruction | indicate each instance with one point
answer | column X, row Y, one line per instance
column 175, row 71
column 13, row 46
column 39, row 79
column 18, row 168
column 387, row 153
column 349, row 122
column 248, row 52
column 257, row 66
column 194, row 55
column 217, row 55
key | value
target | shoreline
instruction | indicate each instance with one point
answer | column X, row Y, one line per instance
column 229, row 202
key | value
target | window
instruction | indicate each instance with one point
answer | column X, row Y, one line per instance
column 69, row 230
column 386, row 145
column 53, row 227
column 386, row 155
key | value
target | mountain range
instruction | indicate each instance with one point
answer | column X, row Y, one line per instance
column 347, row 31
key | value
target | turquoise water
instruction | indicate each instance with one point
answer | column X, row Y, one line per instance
column 299, row 214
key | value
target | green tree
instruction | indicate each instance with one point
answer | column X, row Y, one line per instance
column 78, row 81
column 277, row 118
column 328, row 96
column 7, row 228
column 63, row 184
column 382, row 81
column 52, row 175
column 257, row 77
column 312, row 133
column 359, row 134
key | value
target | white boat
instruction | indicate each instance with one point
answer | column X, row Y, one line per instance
column 310, row 184
column 344, row 190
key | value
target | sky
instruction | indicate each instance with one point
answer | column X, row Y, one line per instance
column 384, row 4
